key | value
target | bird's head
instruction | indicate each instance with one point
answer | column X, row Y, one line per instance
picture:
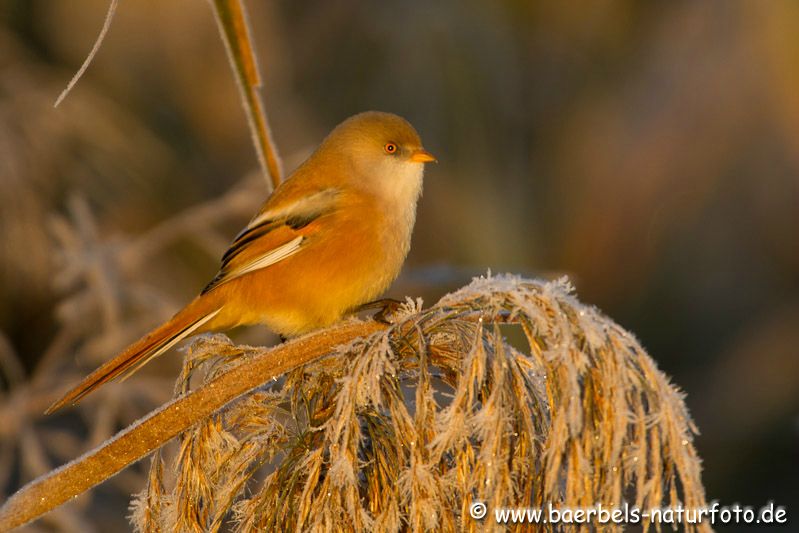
column 384, row 153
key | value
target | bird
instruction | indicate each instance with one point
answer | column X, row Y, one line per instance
column 330, row 238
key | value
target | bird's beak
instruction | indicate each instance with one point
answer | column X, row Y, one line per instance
column 423, row 156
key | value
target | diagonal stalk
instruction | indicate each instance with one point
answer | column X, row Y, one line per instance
column 160, row 426
column 231, row 17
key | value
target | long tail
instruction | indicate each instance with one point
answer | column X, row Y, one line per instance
column 187, row 321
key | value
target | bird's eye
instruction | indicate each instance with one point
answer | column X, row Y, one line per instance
column 390, row 148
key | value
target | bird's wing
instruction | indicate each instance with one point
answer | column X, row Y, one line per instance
column 279, row 231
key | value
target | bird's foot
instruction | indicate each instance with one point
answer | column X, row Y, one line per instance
column 386, row 308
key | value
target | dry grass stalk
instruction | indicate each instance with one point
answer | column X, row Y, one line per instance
column 234, row 29
column 403, row 429
column 112, row 7
column 231, row 17
column 153, row 431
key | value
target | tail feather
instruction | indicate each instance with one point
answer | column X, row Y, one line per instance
column 158, row 341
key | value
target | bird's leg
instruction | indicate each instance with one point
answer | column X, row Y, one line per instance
column 386, row 306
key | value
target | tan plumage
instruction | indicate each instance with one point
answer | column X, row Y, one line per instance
column 331, row 237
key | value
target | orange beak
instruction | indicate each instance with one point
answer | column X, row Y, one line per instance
column 423, row 156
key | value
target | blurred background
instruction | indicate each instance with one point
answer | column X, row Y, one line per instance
column 649, row 150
